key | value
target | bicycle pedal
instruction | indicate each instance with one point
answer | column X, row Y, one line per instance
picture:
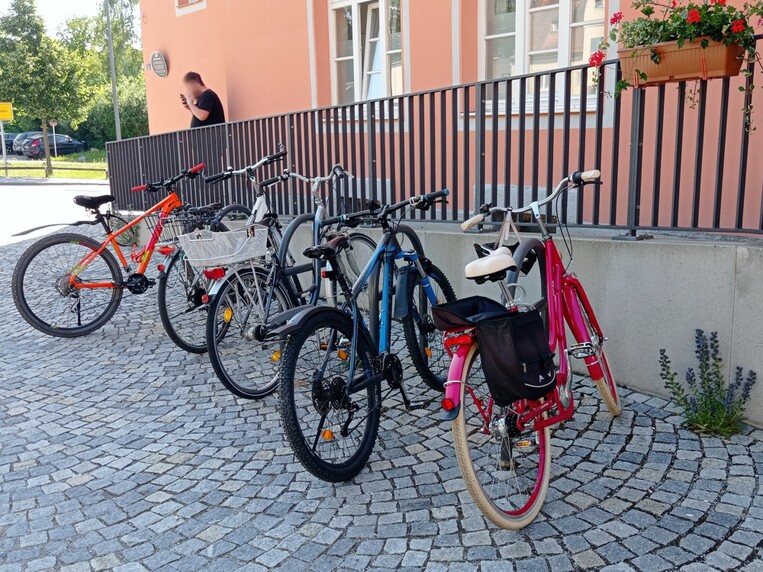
column 582, row 351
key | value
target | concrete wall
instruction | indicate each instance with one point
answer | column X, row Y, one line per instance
column 649, row 295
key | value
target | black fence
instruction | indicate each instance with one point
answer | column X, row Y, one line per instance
column 676, row 156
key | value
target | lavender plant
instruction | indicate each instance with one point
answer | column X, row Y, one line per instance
column 710, row 405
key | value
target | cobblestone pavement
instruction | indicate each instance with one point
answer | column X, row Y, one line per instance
column 121, row 452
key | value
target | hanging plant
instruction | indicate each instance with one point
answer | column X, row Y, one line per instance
column 672, row 41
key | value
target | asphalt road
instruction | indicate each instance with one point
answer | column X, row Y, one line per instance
column 27, row 204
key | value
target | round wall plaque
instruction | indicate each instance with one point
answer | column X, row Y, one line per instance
column 159, row 64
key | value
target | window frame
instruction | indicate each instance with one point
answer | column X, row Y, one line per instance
column 189, row 6
column 523, row 52
column 359, row 50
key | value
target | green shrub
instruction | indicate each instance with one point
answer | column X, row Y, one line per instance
column 709, row 404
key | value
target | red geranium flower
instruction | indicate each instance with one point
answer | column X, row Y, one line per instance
column 616, row 18
column 596, row 58
column 673, row 4
column 717, row 1
column 738, row 26
column 693, row 16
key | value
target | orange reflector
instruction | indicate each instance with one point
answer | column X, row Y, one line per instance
column 228, row 315
column 205, row 298
column 160, row 267
column 524, row 443
column 165, row 250
column 342, row 355
column 328, row 435
column 214, row 273
column 428, row 351
column 447, row 404
column 276, row 355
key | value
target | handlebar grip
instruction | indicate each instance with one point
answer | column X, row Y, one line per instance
column 197, row 169
column 475, row 220
column 271, row 181
column 436, row 195
column 139, row 189
column 277, row 156
column 217, row 178
column 579, row 177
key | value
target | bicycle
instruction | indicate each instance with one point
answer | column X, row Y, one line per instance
column 69, row 285
column 504, row 449
column 181, row 289
column 247, row 293
column 333, row 367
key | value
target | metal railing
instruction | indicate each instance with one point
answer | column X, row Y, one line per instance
column 666, row 163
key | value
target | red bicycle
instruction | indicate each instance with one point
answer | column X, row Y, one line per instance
column 504, row 451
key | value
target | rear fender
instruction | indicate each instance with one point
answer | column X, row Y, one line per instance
column 216, row 285
column 77, row 223
column 455, row 381
column 294, row 320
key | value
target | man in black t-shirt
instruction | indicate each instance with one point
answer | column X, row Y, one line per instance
column 203, row 103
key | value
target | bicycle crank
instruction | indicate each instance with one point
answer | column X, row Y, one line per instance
column 137, row 283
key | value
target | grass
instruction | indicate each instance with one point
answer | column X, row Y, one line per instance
column 90, row 157
column 36, row 169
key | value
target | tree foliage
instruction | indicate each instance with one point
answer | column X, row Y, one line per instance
column 39, row 75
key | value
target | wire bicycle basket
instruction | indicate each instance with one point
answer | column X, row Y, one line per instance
column 204, row 248
column 175, row 225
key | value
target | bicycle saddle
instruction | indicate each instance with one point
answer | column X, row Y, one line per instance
column 93, row 202
column 491, row 267
column 329, row 250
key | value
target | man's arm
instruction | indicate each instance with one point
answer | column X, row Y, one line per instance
column 201, row 114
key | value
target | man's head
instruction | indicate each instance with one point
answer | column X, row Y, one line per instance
column 193, row 83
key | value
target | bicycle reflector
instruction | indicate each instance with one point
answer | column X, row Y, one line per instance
column 214, row 273
column 447, row 404
column 165, row 250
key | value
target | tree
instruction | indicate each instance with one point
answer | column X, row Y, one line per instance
column 39, row 75
column 98, row 128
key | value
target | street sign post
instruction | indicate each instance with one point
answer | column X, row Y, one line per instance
column 53, row 123
column 6, row 114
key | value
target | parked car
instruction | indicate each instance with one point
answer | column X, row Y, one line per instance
column 9, row 137
column 18, row 142
column 65, row 145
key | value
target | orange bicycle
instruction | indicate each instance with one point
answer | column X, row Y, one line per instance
column 69, row 285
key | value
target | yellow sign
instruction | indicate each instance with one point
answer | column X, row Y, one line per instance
column 6, row 111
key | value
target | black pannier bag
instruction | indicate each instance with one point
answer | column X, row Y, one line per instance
column 516, row 357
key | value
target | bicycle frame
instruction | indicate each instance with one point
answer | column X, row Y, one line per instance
column 165, row 206
column 387, row 252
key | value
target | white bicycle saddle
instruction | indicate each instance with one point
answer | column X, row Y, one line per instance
column 500, row 260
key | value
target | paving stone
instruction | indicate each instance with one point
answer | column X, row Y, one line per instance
column 130, row 456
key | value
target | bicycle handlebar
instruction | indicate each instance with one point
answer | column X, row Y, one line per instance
column 167, row 183
column 249, row 171
column 578, row 178
column 419, row 201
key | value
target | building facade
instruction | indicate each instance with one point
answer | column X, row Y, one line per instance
column 267, row 57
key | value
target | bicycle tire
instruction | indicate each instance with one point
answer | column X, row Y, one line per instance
column 22, row 289
column 483, row 457
column 607, row 386
column 127, row 238
column 192, row 306
column 431, row 360
column 231, row 353
column 298, row 410
column 352, row 261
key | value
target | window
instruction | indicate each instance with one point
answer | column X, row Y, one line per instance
column 187, row 6
column 528, row 36
column 367, row 50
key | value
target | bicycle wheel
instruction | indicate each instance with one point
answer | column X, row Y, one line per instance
column 42, row 293
column 605, row 384
column 181, row 308
column 423, row 339
column 331, row 433
column 506, row 471
column 352, row 261
column 246, row 368
column 128, row 237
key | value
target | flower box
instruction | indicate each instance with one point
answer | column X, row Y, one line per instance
column 690, row 61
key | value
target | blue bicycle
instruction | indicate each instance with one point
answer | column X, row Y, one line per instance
column 334, row 364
